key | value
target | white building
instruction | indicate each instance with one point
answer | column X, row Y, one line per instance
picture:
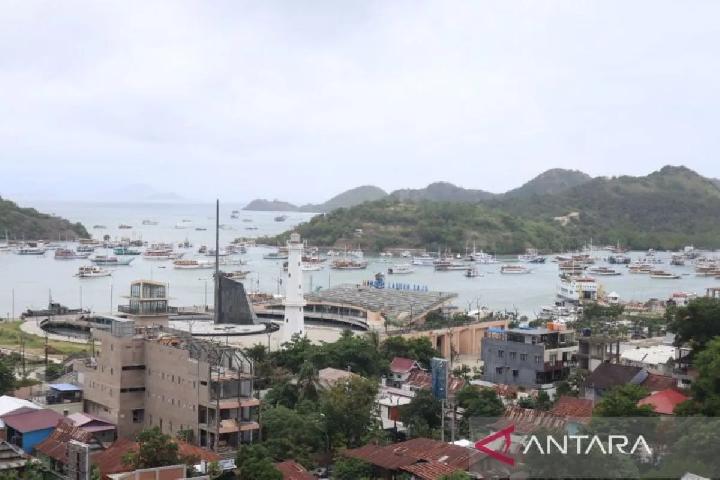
column 294, row 301
column 657, row 359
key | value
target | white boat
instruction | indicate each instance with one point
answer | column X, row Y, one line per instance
column 662, row 275
column 32, row 248
column 604, row 271
column 183, row 224
column 531, row 256
column 348, row 264
column 473, row 272
column 112, row 260
column 356, row 254
column 578, row 289
column 424, row 260
column 92, row 271
column 67, row 254
column 311, row 267
column 482, row 257
column 193, row 264
column 400, row 269
column 449, row 265
column 514, row 270
column 406, row 254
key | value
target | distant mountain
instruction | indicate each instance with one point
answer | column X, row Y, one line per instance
column 141, row 192
column 553, row 181
column 262, row 205
column 29, row 224
column 666, row 209
column 349, row 198
column 441, row 192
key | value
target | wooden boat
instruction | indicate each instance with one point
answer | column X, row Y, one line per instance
column 109, row 260
column 514, row 270
column 92, row 271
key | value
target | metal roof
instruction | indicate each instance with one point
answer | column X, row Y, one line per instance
column 65, row 387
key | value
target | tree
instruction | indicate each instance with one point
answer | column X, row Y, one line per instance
column 697, row 323
column 706, row 388
column 419, row 349
column 573, row 384
column 359, row 354
column 254, row 462
column 477, row 403
column 457, row 475
column 422, row 415
column 622, row 402
column 295, row 434
column 351, row 469
column 155, row 449
column 7, row 378
column 349, row 410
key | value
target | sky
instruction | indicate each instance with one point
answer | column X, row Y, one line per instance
column 300, row 100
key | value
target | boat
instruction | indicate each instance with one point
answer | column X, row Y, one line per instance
column 424, row 260
column 92, row 271
column 238, row 275
column 161, row 254
column 247, row 220
column 482, row 257
column 251, row 228
column 193, row 264
column 604, row 271
column 449, row 265
column 125, row 251
column 124, row 226
column 356, row 253
column 185, row 244
column 348, row 264
column 514, row 270
column 400, row 269
column 281, row 254
column 663, row 275
column 571, row 268
column 619, row 259
column 183, row 224
column 32, row 248
column 559, row 313
column 108, row 260
column 85, row 249
column 677, row 260
column 67, row 254
column 640, row 268
column 149, row 222
column 99, row 227
column 281, row 218
column 234, row 216
column 200, row 229
column 311, row 267
column 577, row 289
column 210, row 252
column 531, row 256
column 472, row 272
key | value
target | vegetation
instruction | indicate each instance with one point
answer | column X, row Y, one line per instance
column 622, row 402
column 155, row 449
column 664, row 210
column 349, row 198
column 422, row 415
column 553, row 181
column 10, row 338
column 706, row 388
column 28, row 223
column 255, row 463
column 7, row 378
column 351, row 469
column 697, row 324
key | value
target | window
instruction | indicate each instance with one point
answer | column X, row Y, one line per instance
column 499, row 370
column 132, row 389
column 501, row 353
column 553, row 357
column 513, row 355
column 516, row 373
column 133, row 367
column 523, row 357
column 537, row 359
column 138, row 415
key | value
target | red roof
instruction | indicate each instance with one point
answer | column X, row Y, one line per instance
column 664, row 402
column 292, row 470
column 399, row 455
column 30, row 420
column 422, row 380
column 111, row 460
column 55, row 446
column 402, row 365
column 430, row 470
column 573, row 407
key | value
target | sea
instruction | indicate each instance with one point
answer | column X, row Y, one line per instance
column 31, row 281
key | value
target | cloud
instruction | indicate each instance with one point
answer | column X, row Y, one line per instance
column 300, row 100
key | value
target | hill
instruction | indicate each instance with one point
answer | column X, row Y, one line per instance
column 667, row 209
column 30, row 224
column 262, row 205
column 553, row 181
column 441, row 192
column 347, row 199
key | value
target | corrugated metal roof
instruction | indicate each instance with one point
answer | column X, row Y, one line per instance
column 65, row 387
column 292, row 470
column 33, row 420
column 430, row 470
column 395, row 456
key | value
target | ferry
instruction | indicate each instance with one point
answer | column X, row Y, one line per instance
column 193, row 264
column 514, row 270
column 663, row 275
column 447, row 265
column 472, row 272
column 578, row 289
column 32, row 248
column 400, row 269
column 92, row 271
column 125, row 251
column 67, row 254
column 604, row 271
column 424, row 260
column 348, row 264
column 107, row 260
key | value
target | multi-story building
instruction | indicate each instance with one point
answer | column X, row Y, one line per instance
column 593, row 350
column 148, row 375
column 528, row 357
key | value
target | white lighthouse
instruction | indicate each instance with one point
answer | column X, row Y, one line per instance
column 294, row 298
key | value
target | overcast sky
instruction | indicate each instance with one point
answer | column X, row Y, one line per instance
column 300, row 100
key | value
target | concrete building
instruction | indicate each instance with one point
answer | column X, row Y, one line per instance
column 294, row 301
column 148, row 375
column 594, row 350
column 528, row 357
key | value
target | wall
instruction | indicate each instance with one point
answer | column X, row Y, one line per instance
column 526, row 368
column 30, row 439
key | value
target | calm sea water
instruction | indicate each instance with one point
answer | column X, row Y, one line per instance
column 34, row 279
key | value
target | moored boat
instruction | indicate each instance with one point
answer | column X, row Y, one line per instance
column 604, row 271
column 67, row 254
column 110, row 260
column 348, row 264
column 663, row 275
column 514, row 270
column 472, row 272
column 125, row 251
column 92, row 271
column 193, row 264
column 400, row 269
column 124, row 226
column 32, row 248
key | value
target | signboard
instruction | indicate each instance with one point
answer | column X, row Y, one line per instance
column 439, row 368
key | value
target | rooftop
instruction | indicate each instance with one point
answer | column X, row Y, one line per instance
column 608, row 375
column 65, row 387
column 572, row 407
column 394, row 302
column 30, row 420
column 292, row 470
column 665, row 401
column 418, row 450
column 402, row 365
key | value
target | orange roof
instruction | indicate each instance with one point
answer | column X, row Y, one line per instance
column 573, row 407
column 430, row 470
column 292, row 470
column 664, row 402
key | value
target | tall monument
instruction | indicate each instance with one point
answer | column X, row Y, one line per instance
column 294, row 297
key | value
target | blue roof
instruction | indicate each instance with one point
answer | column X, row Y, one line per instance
column 495, row 330
column 65, row 387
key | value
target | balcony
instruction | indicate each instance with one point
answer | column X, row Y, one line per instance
column 557, row 365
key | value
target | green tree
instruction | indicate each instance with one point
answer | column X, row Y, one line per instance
column 293, row 434
column 155, row 449
column 457, row 475
column 477, row 404
column 349, row 410
column 422, row 415
column 706, row 387
column 357, row 353
column 696, row 324
column 351, row 469
column 419, row 349
column 254, row 462
column 53, row 371
column 285, row 394
column 7, row 378
column 622, row 402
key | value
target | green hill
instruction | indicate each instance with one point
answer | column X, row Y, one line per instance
column 29, row 224
column 667, row 209
column 262, row 205
column 441, row 192
column 554, row 181
column 347, row 199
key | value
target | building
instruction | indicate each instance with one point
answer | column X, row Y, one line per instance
column 53, row 451
column 292, row 470
column 400, row 368
column 27, row 427
column 528, row 356
column 101, row 429
column 64, row 398
column 148, row 303
column 659, row 359
column 294, row 301
column 328, row 377
column 12, row 459
column 665, row 401
column 152, row 376
column 9, row 404
column 596, row 349
column 608, row 376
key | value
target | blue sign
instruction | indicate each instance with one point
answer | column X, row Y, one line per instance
column 439, row 368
